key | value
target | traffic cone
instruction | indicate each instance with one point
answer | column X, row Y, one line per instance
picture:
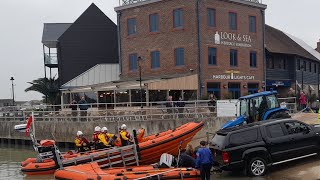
column 319, row 115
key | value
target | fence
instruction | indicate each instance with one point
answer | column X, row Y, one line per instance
column 290, row 102
column 116, row 112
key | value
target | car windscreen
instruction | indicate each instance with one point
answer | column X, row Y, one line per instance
column 218, row 141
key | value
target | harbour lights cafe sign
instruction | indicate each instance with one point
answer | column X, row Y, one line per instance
column 232, row 75
column 233, row 39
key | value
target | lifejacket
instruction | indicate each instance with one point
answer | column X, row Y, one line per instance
column 95, row 137
column 124, row 136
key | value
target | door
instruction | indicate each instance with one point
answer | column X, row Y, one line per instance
column 277, row 142
column 303, row 140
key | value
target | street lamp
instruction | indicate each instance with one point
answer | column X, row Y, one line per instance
column 12, row 79
column 302, row 69
column 140, row 80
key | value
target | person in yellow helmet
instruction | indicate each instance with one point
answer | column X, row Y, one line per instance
column 82, row 144
column 105, row 137
column 125, row 136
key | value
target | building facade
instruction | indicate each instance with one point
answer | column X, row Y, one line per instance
column 73, row 48
column 290, row 63
column 220, row 41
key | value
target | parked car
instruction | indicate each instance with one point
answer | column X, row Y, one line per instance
column 255, row 147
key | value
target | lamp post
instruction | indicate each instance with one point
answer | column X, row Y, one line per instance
column 302, row 69
column 140, row 80
column 12, row 79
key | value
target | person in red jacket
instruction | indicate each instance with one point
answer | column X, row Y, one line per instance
column 302, row 100
column 95, row 138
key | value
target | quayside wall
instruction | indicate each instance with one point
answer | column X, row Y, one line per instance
column 64, row 131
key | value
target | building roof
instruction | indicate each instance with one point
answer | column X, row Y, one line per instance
column 283, row 43
column 52, row 32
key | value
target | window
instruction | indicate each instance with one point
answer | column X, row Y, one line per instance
column 304, row 66
column 310, row 67
column 132, row 26
column 154, row 20
column 295, row 127
column 244, row 137
column 315, row 67
column 272, row 102
column 252, row 24
column 275, row 131
column 253, row 88
column 270, row 63
column 155, row 59
column 234, row 90
column 211, row 17
column 282, row 64
column 253, row 59
column 214, row 88
column 233, row 58
column 179, row 56
column 298, row 64
column 212, row 56
column 133, row 62
column 233, row 21
column 177, row 18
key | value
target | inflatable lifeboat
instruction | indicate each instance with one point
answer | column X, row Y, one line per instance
column 93, row 171
column 149, row 150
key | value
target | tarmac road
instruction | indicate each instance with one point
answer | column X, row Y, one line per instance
column 303, row 169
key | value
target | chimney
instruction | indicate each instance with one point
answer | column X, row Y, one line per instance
column 318, row 46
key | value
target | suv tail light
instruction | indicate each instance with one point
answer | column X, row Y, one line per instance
column 225, row 157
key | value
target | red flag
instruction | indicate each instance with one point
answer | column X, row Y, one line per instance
column 28, row 125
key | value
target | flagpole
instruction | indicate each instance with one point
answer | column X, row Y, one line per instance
column 33, row 128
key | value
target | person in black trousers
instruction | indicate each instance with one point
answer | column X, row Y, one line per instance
column 204, row 161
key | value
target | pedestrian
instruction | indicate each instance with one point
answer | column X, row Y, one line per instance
column 169, row 105
column 83, row 106
column 204, row 161
column 302, row 101
column 212, row 103
column 74, row 109
column 180, row 104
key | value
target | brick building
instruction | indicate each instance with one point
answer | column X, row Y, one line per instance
column 221, row 41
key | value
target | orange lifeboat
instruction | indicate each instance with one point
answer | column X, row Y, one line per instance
column 149, row 150
column 93, row 171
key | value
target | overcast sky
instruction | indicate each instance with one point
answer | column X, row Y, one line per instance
column 21, row 25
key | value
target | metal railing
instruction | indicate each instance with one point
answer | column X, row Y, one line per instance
column 125, row 112
column 291, row 103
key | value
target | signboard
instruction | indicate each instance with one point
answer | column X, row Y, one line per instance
column 233, row 39
column 227, row 108
column 278, row 83
column 231, row 75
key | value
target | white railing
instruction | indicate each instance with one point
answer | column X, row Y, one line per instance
column 116, row 112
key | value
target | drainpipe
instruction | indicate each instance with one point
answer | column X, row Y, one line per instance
column 119, row 41
column 264, row 49
column 199, row 50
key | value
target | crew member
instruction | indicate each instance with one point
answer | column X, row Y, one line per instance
column 105, row 137
column 82, row 144
column 204, row 161
column 125, row 136
column 95, row 138
column 186, row 160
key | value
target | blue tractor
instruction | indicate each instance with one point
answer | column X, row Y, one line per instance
column 258, row 107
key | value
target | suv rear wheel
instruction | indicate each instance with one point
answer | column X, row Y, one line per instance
column 257, row 166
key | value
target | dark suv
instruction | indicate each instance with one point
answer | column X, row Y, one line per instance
column 254, row 147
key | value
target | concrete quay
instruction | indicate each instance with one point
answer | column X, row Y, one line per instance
column 64, row 131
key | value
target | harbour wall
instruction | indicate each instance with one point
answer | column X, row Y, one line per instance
column 65, row 131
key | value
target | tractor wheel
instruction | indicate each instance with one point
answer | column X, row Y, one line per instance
column 279, row 115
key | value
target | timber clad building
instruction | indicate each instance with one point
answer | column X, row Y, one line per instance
column 219, row 41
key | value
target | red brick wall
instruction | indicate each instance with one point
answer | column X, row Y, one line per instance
column 143, row 42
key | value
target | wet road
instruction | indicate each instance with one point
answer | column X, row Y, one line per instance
column 306, row 169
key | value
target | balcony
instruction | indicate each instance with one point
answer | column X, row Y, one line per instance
column 51, row 60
